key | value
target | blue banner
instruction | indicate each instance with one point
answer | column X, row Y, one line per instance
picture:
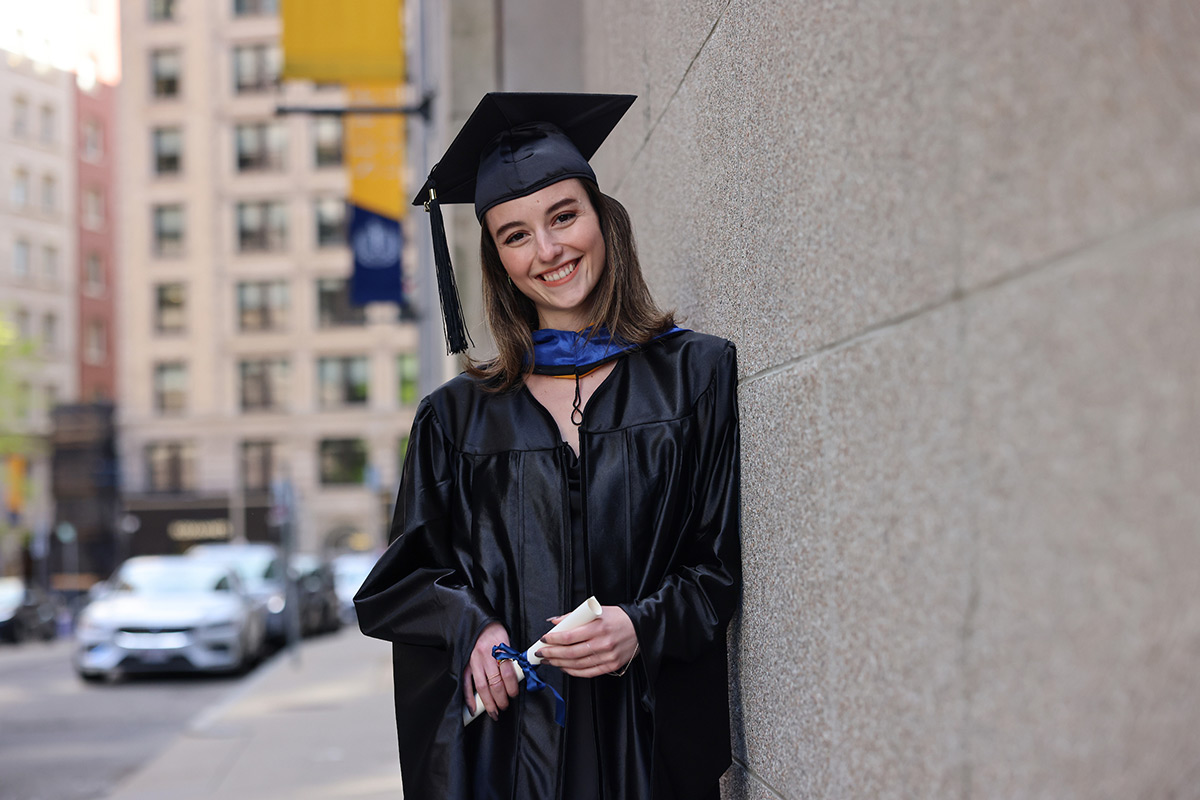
column 377, row 242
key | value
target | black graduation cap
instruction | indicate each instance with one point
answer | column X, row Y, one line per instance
column 513, row 144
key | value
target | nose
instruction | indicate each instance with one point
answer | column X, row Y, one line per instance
column 549, row 248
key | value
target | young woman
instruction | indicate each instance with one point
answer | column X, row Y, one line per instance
column 596, row 455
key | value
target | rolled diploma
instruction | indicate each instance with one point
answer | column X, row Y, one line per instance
column 587, row 611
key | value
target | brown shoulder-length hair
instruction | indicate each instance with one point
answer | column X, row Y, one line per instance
column 621, row 300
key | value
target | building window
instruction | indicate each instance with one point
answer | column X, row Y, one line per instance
column 20, row 119
column 93, row 274
column 330, row 213
column 342, row 381
column 170, row 308
column 47, row 119
column 20, row 263
column 251, row 8
column 164, row 73
column 20, row 189
column 93, row 209
column 262, row 305
column 50, row 332
column 95, row 344
column 170, row 467
column 327, row 141
column 343, row 461
column 407, row 376
column 168, row 151
column 263, row 384
column 258, row 466
column 170, row 388
column 333, row 304
column 168, row 230
column 49, row 193
column 255, row 68
column 93, row 141
column 162, row 10
column 24, row 323
column 260, row 146
column 262, row 226
column 50, row 262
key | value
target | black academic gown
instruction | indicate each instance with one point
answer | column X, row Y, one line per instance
column 482, row 533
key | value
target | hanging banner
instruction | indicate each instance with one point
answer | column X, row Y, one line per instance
column 377, row 242
column 332, row 42
column 375, row 162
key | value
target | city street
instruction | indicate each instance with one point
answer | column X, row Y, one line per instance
column 63, row 739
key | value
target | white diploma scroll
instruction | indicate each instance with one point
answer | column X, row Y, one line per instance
column 587, row 611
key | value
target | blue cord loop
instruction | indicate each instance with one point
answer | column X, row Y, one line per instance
column 533, row 681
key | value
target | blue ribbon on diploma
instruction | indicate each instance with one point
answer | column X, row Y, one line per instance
column 533, row 681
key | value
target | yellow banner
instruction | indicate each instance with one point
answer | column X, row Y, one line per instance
column 375, row 152
column 342, row 42
column 14, row 500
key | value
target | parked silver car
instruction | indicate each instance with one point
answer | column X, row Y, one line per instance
column 169, row 613
column 260, row 566
column 349, row 572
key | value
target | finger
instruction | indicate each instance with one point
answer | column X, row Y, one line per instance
column 575, row 635
column 485, row 693
column 509, row 676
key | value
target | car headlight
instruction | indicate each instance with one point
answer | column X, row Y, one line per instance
column 275, row 603
column 92, row 629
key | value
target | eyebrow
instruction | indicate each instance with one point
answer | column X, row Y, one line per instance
column 566, row 201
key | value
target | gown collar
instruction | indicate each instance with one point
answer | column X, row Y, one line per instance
column 574, row 352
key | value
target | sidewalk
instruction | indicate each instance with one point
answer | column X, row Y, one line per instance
column 321, row 727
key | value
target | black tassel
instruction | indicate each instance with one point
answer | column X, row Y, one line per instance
column 458, row 339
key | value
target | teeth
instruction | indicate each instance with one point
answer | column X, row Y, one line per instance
column 559, row 274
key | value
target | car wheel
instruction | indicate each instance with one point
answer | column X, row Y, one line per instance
column 92, row 677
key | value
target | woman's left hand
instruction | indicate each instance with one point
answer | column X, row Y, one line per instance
column 604, row 645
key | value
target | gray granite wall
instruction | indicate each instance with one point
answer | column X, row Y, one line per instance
column 958, row 246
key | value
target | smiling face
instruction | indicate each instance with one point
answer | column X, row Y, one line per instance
column 551, row 247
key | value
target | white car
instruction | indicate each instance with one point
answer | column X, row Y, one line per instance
column 169, row 613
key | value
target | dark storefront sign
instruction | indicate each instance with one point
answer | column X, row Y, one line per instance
column 171, row 524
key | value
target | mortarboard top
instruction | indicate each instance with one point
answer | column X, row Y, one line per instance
column 513, row 144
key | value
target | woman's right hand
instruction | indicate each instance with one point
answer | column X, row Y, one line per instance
column 495, row 681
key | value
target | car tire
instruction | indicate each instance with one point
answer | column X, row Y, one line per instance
column 92, row 677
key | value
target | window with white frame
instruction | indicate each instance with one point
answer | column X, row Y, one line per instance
column 263, row 384
column 49, row 193
column 50, row 332
column 262, row 226
column 170, row 308
column 20, row 262
column 262, row 305
column 20, row 117
column 342, row 381
column 168, row 229
column 256, row 67
column 170, row 467
column 93, row 141
column 165, row 68
column 260, row 146
column 93, row 209
column 46, row 127
column 93, row 274
column 167, row 144
column 254, row 8
column 330, row 215
column 170, row 387
column 328, row 134
column 20, row 189
column 95, row 342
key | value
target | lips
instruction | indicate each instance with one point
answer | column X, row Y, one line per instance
column 561, row 274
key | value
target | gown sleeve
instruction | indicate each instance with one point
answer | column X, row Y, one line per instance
column 691, row 609
column 417, row 593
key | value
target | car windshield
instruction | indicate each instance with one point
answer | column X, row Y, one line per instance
column 170, row 577
column 255, row 567
column 11, row 591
